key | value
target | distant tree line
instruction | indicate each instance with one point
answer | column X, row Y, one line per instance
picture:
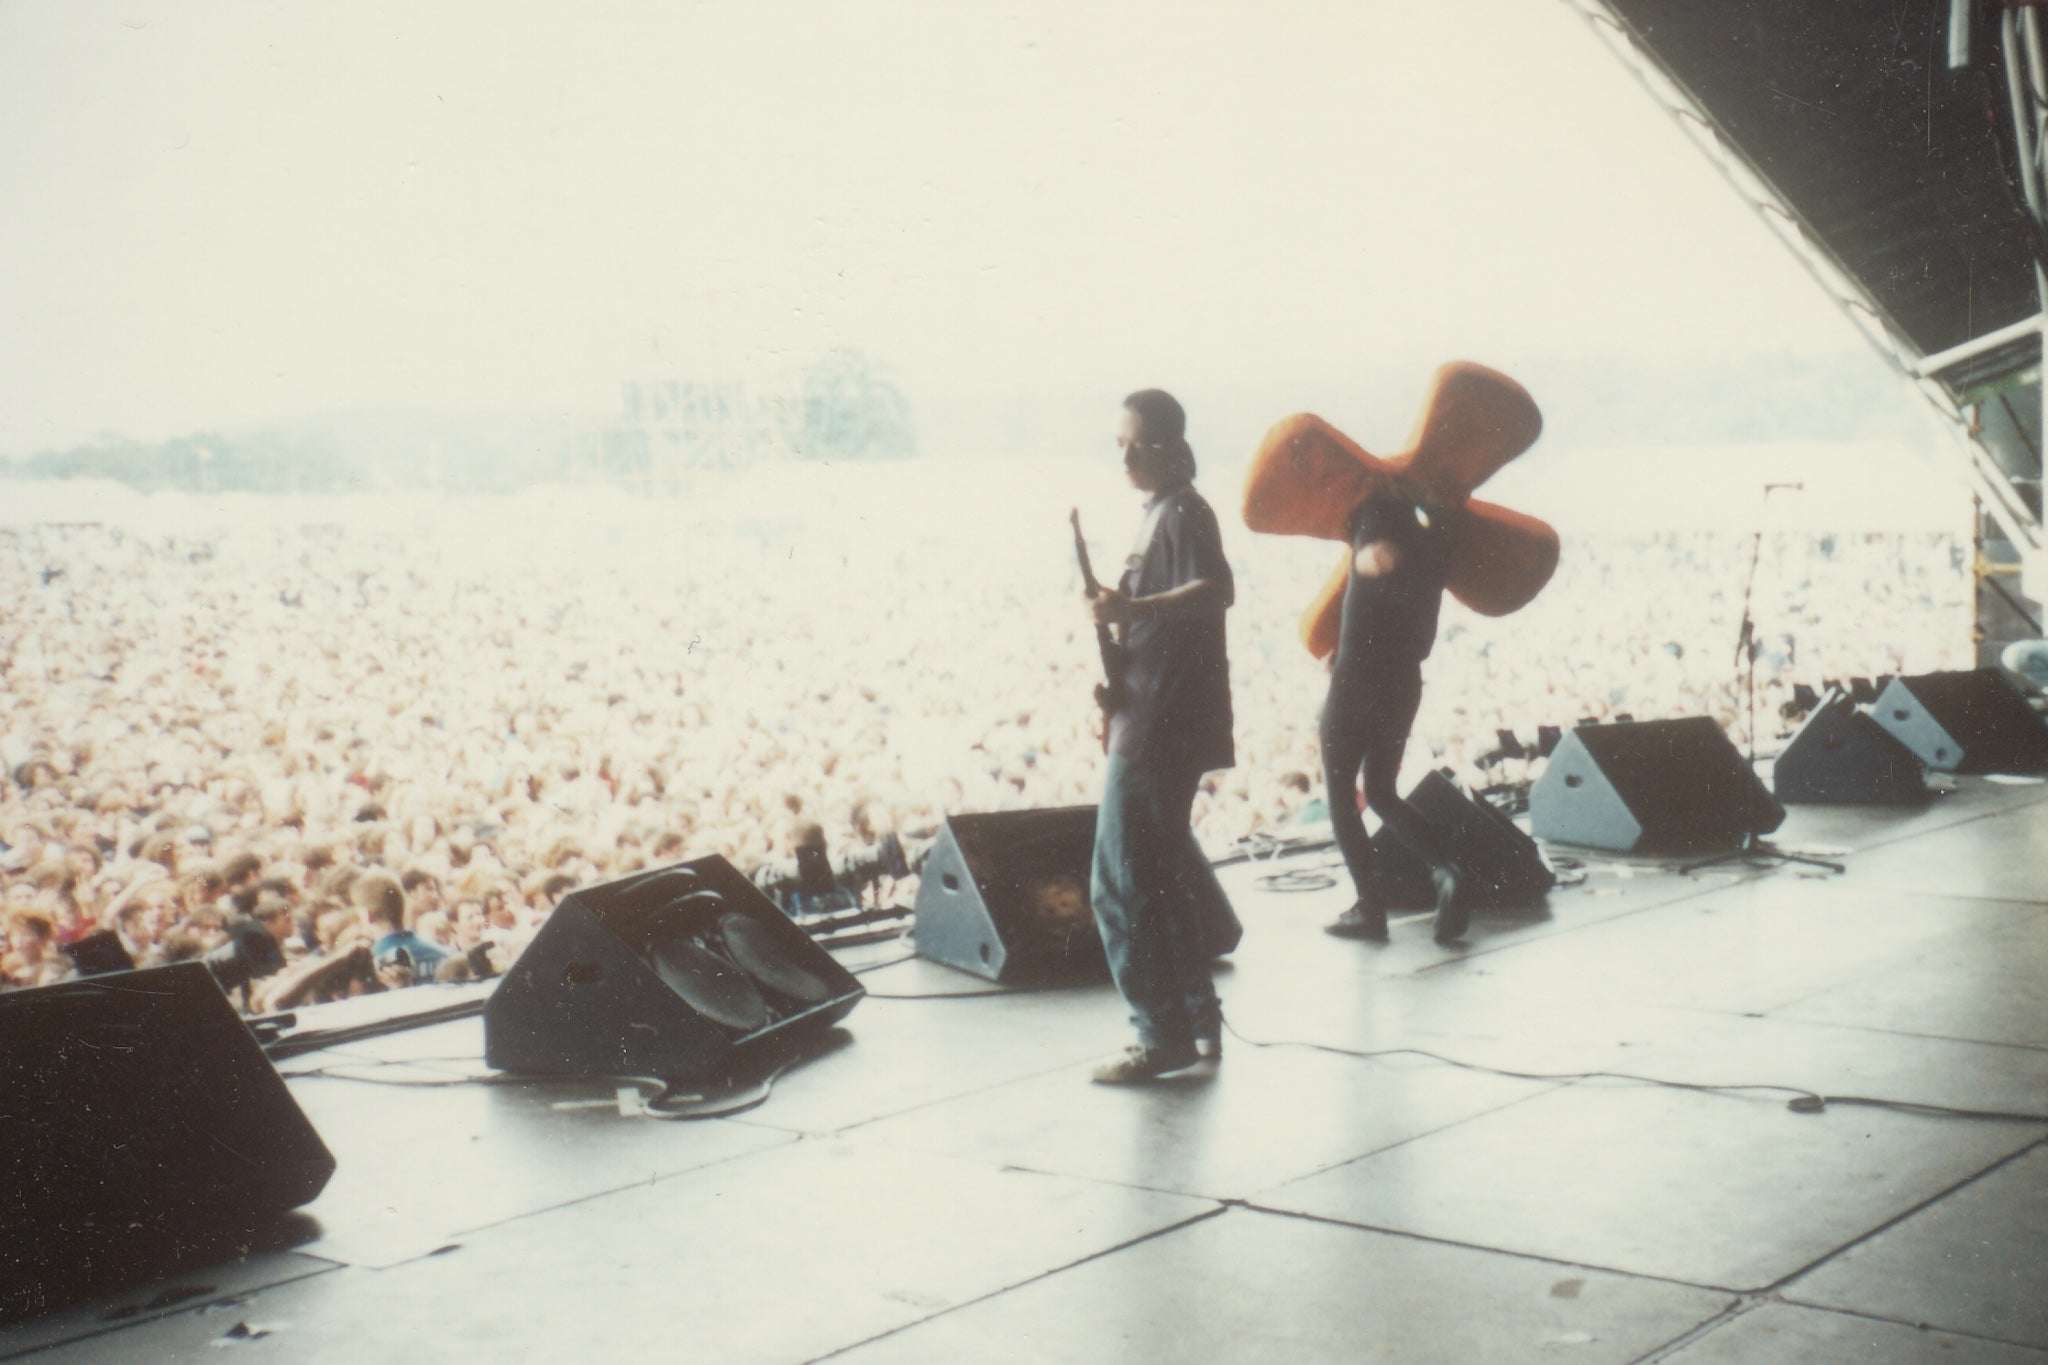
column 257, row 462
column 840, row 408
column 844, row 408
column 850, row 412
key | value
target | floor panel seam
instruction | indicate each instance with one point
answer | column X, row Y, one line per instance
column 1957, row 823
column 2016, row 902
column 948, row 1099
column 1741, row 1308
column 450, row 1240
column 1324, row 1219
column 1790, row 1302
column 950, row 1309
column 1542, row 1088
column 1777, row 1018
column 1784, row 1282
column 1563, row 932
column 195, row 1306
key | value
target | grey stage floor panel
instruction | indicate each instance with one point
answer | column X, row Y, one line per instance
column 941, row 1182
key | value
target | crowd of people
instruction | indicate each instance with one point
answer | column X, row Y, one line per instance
column 333, row 758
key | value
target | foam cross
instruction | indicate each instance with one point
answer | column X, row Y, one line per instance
column 1309, row 479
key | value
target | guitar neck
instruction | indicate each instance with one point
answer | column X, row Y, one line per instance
column 1081, row 553
column 1112, row 654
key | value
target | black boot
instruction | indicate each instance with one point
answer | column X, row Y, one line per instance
column 1452, row 915
column 1364, row 921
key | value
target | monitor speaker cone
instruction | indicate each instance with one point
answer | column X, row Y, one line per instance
column 705, row 981
column 764, row 958
column 679, row 973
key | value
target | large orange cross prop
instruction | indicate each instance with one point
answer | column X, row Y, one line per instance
column 1309, row 479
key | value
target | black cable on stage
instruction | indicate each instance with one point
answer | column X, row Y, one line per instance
column 655, row 1103
column 995, row 993
column 1298, row 879
column 445, row 1082
column 1803, row 1101
column 705, row 1107
column 655, row 1100
column 313, row 1040
column 1266, row 848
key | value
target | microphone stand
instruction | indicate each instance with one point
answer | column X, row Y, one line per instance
column 1754, row 850
column 1745, row 641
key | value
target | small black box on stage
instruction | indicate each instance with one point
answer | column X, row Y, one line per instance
column 677, row 974
column 1005, row 895
column 1499, row 867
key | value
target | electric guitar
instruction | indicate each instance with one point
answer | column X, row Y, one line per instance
column 1108, row 691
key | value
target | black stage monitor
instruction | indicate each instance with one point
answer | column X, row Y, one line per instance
column 136, row 1113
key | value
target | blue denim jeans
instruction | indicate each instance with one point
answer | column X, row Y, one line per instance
column 1150, row 886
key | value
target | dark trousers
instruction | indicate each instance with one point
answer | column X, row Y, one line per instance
column 1156, row 900
column 1365, row 727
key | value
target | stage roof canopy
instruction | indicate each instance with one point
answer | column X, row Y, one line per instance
column 1897, row 153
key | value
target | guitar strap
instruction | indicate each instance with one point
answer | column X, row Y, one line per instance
column 1148, row 529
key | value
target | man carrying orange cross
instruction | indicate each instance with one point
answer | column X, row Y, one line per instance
column 1400, row 550
column 1411, row 529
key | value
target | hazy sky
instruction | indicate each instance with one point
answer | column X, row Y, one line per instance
column 213, row 214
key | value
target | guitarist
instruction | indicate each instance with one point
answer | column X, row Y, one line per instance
column 1171, row 723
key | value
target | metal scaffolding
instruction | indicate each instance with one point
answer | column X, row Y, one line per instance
column 1986, row 387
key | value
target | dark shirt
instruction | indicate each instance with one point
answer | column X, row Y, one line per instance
column 1390, row 620
column 250, row 952
column 1176, row 686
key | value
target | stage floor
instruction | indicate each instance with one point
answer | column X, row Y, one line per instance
column 944, row 1184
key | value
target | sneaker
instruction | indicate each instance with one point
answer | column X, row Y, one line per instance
column 1140, row 1063
column 1360, row 921
column 1452, row 915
